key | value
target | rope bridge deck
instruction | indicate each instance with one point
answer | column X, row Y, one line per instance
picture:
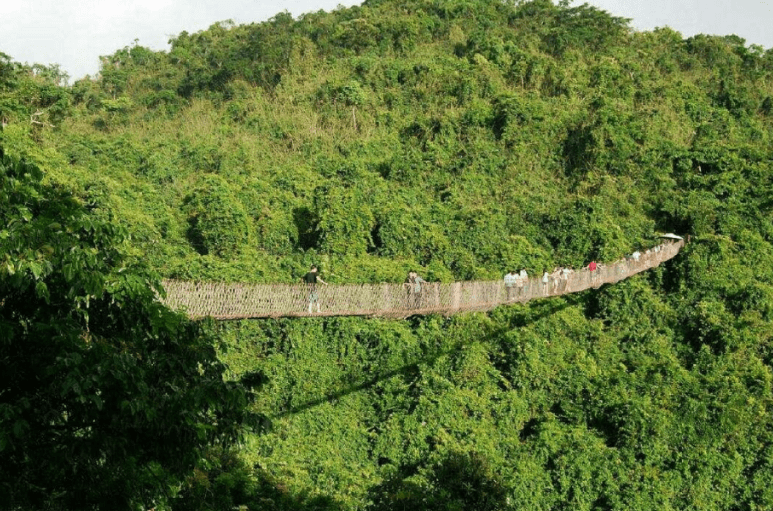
column 242, row 301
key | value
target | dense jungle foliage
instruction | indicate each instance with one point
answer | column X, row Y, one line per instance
column 107, row 397
column 460, row 138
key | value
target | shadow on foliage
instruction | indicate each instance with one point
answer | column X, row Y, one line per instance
column 195, row 237
column 229, row 483
column 461, row 481
column 520, row 319
column 306, row 222
column 578, row 151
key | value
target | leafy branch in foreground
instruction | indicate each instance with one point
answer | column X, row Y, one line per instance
column 107, row 399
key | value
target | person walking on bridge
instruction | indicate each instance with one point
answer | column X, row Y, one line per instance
column 523, row 281
column 413, row 284
column 565, row 272
column 592, row 267
column 510, row 281
column 311, row 279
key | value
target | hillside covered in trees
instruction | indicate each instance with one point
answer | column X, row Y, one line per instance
column 461, row 139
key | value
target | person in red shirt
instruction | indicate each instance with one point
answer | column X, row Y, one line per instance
column 592, row 270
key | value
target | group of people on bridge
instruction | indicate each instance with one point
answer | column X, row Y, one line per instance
column 517, row 284
column 413, row 296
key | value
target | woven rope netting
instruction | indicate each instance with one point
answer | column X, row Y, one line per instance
column 241, row 301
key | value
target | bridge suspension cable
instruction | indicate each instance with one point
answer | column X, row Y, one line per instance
column 242, row 301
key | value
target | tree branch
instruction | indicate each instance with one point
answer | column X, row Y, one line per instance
column 35, row 121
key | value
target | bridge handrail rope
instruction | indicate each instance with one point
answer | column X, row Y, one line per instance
column 242, row 301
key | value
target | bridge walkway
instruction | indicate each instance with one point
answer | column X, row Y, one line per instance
column 242, row 301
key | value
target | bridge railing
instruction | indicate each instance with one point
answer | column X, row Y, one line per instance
column 239, row 301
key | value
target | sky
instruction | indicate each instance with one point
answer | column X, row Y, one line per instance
column 75, row 33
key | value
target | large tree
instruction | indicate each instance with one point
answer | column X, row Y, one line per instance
column 107, row 399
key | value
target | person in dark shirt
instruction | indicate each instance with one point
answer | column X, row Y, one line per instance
column 311, row 279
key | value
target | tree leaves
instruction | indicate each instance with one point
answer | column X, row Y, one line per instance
column 82, row 335
column 465, row 137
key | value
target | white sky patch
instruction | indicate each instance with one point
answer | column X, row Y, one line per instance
column 749, row 19
column 74, row 33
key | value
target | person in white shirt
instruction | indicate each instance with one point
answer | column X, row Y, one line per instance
column 520, row 281
column 565, row 278
column 555, row 278
column 510, row 281
column 413, row 285
column 523, row 281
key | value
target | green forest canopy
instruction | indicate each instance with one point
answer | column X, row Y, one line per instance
column 461, row 139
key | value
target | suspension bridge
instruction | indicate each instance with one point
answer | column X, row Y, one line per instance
column 243, row 301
